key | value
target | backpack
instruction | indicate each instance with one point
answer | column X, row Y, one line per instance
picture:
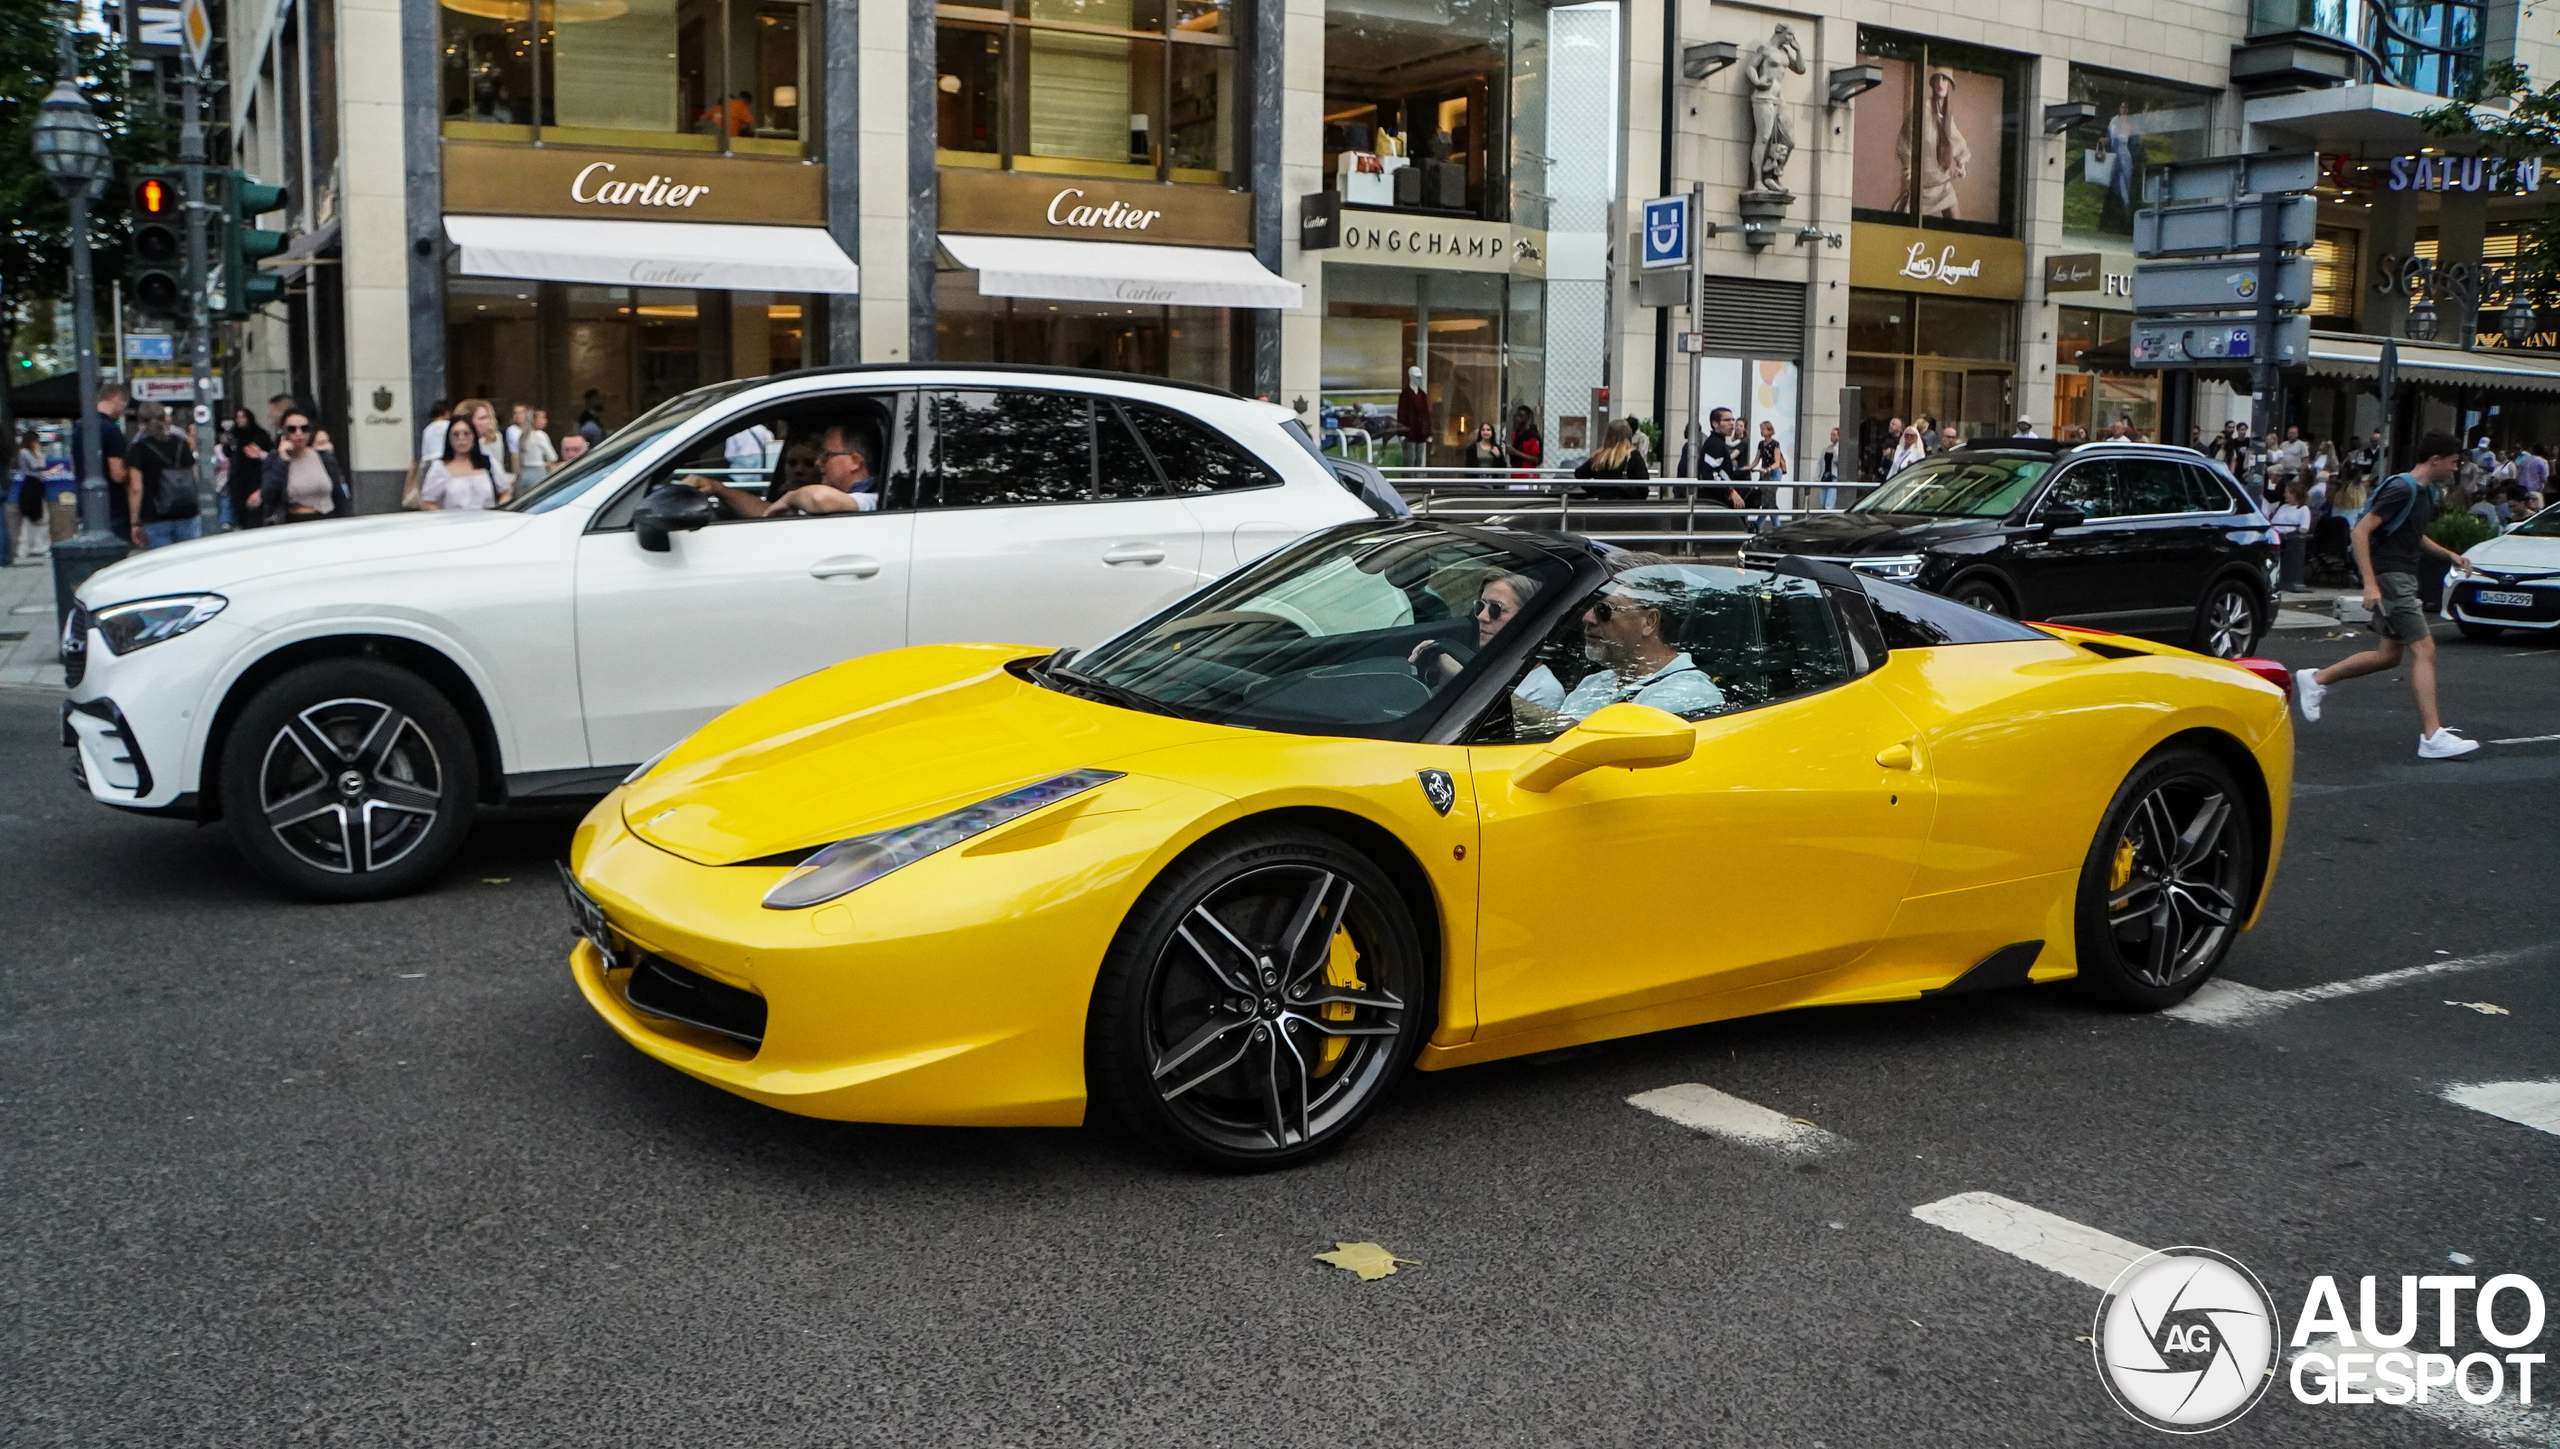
column 172, row 477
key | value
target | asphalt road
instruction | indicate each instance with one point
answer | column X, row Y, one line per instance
column 274, row 1173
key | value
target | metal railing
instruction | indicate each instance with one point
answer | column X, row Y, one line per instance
column 1687, row 512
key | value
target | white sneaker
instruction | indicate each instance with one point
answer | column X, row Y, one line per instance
column 2308, row 691
column 2445, row 744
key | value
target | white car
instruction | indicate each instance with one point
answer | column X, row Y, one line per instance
column 346, row 693
column 2518, row 583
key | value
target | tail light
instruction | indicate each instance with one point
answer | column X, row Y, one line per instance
column 2273, row 671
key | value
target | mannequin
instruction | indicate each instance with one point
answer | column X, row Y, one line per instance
column 1413, row 416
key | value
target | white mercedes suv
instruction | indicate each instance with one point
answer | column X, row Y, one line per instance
column 346, row 694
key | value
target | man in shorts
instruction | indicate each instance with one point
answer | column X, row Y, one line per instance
column 2391, row 545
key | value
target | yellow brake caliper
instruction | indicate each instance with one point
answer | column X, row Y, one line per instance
column 1341, row 968
column 2122, row 875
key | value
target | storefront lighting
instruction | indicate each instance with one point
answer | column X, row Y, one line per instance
column 566, row 12
column 1697, row 62
column 2422, row 321
column 786, row 98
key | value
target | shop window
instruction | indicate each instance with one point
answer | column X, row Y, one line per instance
column 1416, row 102
column 692, row 75
column 1954, row 366
column 2334, row 255
column 1088, row 88
column 1881, row 321
column 1193, row 344
column 1937, row 143
column 2140, row 124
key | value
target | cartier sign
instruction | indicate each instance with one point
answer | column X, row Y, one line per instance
column 1092, row 208
column 496, row 179
column 1910, row 259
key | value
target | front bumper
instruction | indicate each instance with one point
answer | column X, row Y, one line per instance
column 136, row 723
column 951, row 992
column 2462, row 601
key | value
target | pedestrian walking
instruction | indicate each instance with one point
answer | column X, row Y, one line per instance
column 2292, row 522
column 2391, row 545
column 160, row 482
column 245, row 447
column 591, row 417
column 1484, row 453
column 572, row 448
column 1527, row 449
column 301, row 480
column 1911, row 450
column 483, row 415
column 537, row 455
column 111, row 449
column 430, row 437
column 465, row 477
column 2026, row 428
column 1616, row 459
column 26, row 501
column 1831, row 470
column 2533, row 473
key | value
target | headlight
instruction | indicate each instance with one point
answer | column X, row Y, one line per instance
column 144, row 622
column 1900, row 570
column 853, row 863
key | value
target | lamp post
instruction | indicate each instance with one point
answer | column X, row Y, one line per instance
column 71, row 149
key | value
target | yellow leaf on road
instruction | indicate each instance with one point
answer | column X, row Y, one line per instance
column 2483, row 1007
column 1368, row 1260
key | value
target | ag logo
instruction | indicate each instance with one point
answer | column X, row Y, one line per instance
column 2186, row 1340
column 1439, row 789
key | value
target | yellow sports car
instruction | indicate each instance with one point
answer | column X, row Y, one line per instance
column 1409, row 794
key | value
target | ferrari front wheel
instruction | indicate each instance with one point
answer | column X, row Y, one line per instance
column 1260, row 1001
column 2167, row 882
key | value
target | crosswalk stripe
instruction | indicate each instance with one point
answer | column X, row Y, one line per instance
column 2057, row 1244
column 2533, row 1104
column 1705, row 1109
column 2229, row 1003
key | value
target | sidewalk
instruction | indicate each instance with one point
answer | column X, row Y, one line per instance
column 2318, row 609
column 30, row 643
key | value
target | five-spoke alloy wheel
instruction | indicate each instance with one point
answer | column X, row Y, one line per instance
column 348, row 780
column 1259, row 1001
column 2168, row 881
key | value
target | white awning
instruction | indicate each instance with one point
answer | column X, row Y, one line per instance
column 1096, row 271
column 717, row 255
column 2488, row 369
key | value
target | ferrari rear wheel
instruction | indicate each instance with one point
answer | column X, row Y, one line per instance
column 2167, row 882
column 1259, row 1002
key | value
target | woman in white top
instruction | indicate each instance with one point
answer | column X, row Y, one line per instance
column 1911, row 451
column 534, row 453
column 463, row 477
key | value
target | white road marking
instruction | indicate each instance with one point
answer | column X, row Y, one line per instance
column 2527, row 740
column 2096, row 1258
column 1707, row 1110
column 2534, row 1104
column 2229, row 1003
column 2049, row 1242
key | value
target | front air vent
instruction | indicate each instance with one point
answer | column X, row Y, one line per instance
column 660, row 987
column 2113, row 651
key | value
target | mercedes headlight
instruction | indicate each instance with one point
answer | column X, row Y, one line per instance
column 857, row 861
column 1899, row 570
column 144, row 622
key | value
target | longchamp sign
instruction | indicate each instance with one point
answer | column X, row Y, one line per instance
column 1093, row 208
column 496, row 179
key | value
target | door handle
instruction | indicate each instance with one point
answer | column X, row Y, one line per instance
column 850, row 566
column 1898, row 756
column 1135, row 553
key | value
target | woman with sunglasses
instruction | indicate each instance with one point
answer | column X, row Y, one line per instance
column 465, row 477
column 301, row 480
column 1499, row 600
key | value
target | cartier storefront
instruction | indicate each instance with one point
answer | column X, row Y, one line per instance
column 597, row 283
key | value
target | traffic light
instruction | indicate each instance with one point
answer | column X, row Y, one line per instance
column 158, row 266
column 244, row 288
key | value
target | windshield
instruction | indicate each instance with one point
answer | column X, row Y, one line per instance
column 1957, row 486
column 2545, row 524
column 1358, row 634
column 575, row 477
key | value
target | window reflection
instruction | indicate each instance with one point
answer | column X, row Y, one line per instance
column 1088, row 88
column 695, row 75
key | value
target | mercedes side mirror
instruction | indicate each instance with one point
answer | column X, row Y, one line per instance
column 2059, row 515
column 670, row 508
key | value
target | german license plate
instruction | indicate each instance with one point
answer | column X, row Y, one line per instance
column 2504, row 599
column 588, row 919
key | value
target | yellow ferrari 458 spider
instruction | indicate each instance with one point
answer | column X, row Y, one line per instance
column 1406, row 794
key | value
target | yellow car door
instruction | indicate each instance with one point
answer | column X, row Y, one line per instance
column 1777, row 850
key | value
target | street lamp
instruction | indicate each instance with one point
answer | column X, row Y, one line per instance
column 2517, row 324
column 2422, row 320
column 71, row 149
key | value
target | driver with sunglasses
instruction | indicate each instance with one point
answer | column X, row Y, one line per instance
column 1622, row 632
column 1499, row 600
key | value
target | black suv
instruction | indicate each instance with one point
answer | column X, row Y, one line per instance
column 2130, row 537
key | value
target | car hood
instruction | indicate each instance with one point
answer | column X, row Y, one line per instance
column 1858, row 534
column 226, row 560
column 2516, row 553
column 881, row 741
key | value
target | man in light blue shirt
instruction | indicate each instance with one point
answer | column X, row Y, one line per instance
column 1622, row 632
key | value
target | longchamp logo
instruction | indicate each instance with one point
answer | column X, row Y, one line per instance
column 2186, row 1340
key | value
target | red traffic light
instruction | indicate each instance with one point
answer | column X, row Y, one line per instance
column 151, row 198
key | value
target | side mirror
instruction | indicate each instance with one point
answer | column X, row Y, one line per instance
column 670, row 508
column 1630, row 736
column 2059, row 515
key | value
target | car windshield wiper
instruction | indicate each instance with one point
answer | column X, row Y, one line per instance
column 1060, row 677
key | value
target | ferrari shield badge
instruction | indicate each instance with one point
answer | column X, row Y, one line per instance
column 1439, row 789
